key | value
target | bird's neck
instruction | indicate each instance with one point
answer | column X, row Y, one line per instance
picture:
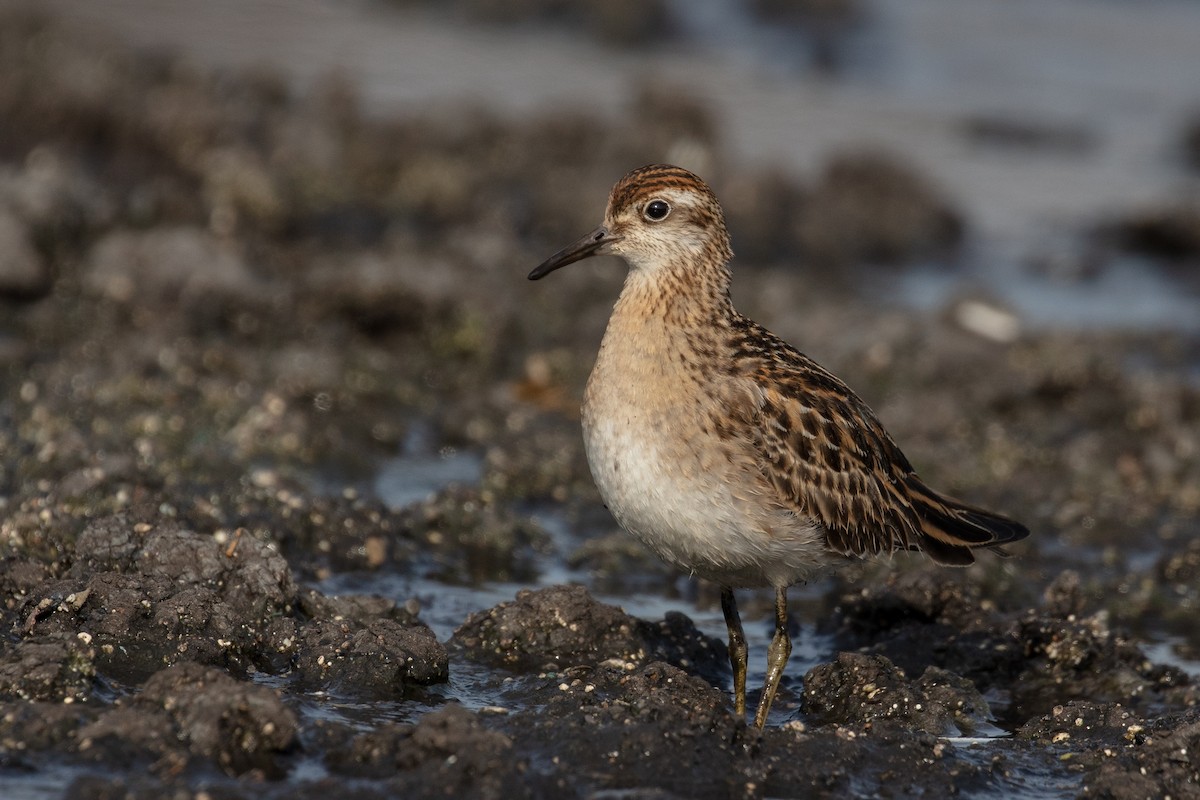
column 677, row 295
column 661, row 325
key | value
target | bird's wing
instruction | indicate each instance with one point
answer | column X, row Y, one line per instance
column 828, row 457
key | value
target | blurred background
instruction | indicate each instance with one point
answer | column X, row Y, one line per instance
column 262, row 266
column 1054, row 146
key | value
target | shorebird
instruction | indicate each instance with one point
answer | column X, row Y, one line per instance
column 729, row 453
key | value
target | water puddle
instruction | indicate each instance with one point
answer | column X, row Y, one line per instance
column 409, row 479
column 1018, row 771
column 39, row 784
column 420, row 470
column 1167, row 651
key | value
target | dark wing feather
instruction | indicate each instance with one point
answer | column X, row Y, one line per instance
column 828, row 457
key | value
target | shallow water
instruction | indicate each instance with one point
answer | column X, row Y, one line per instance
column 1025, row 777
column 41, row 784
column 1127, row 295
column 415, row 474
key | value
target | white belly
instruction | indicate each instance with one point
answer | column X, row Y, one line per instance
column 691, row 505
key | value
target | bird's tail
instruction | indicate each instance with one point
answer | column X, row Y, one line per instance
column 950, row 530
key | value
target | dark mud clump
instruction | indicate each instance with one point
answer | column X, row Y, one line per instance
column 1122, row 754
column 375, row 659
column 1170, row 232
column 564, row 626
column 142, row 597
column 190, row 710
column 450, row 750
column 872, row 207
column 1032, row 660
column 870, row 690
column 866, row 206
column 1166, row 234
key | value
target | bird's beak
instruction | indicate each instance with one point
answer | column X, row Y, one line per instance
column 590, row 245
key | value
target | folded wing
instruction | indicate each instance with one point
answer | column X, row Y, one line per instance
column 827, row 457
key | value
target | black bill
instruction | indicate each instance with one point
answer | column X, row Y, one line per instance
column 588, row 246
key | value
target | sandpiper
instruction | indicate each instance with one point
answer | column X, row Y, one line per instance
column 729, row 453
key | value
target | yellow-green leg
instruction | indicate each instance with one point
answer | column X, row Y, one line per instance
column 737, row 648
column 777, row 658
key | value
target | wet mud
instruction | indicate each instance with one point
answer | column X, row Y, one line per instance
column 225, row 305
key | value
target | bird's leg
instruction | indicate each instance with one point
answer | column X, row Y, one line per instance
column 737, row 649
column 777, row 657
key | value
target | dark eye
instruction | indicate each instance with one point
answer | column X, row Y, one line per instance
column 656, row 210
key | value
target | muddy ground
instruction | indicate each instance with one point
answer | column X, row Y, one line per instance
column 224, row 305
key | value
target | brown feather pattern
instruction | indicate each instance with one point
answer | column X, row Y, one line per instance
column 828, row 456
